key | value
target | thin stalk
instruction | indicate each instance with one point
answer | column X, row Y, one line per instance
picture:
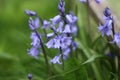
column 113, row 31
column 62, row 58
column 45, row 34
column 119, row 64
column 118, row 55
column 44, row 52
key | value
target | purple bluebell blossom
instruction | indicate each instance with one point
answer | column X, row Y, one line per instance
column 50, row 43
column 59, row 41
column 74, row 29
column 117, row 39
column 60, row 27
column 107, row 12
column 74, row 45
column 46, row 24
column 30, row 13
column 98, row 1
column 67, row 29
column 34, row 24
column 35, row 40
column 66, row 42
column 66, row 53
column 71, row 18
column 30, row 76
column 105, row 30
column 34, row 52
column 61, row 6
column 56, row 19
column 56, row 59
column 70, row 29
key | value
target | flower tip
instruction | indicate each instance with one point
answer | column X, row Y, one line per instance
column 30, row 13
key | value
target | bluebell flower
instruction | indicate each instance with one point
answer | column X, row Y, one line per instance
column 35, row 40
column 34, row 24
column 70, row 29
column 67, row 29
column 61, row 6
column 107, row 12
column 50, row 43
column 71, row 18
column 46, row 24
column 56, row 59
column 98, row 1
column 106, row 28
column 117, row 39
column 56, row 19
column 66, row 53
column 34, row 52
column 60, row 27
column 59, row 41
column 74, row 29
column 30, row 13
column 30, row 76
column 74, row 45
column 65, row 42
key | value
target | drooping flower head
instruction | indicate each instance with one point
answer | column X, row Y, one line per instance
column 30, row 13
column 61, row 6
column 56, row 59
column 106, row 28
column 34, row 52
column 59, row 41
column 30, row 76
column 117, row 39
column 34, row 24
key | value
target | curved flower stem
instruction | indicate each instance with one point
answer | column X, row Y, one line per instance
column 44, row 53
column 113, row 31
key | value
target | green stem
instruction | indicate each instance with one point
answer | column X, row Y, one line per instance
column 44, row 53
column 62, row 58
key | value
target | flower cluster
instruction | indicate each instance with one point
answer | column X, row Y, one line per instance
column 63, row 27
column 34, row 24
column 108, row 27
column 84, row 1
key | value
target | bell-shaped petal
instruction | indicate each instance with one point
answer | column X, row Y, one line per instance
column 56, row 59
column 30, row 13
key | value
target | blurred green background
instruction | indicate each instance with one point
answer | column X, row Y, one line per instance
column 15, row 63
